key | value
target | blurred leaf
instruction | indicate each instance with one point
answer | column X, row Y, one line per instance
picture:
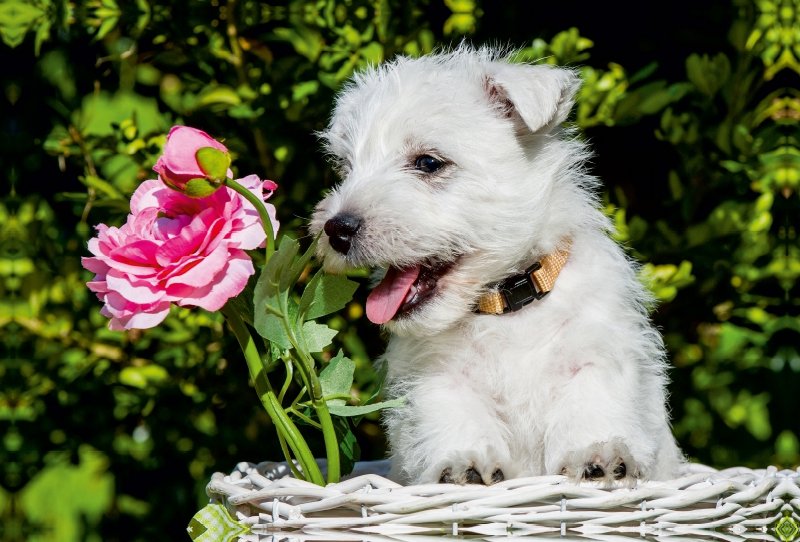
column 16, row 18
column 141, row 377
column 221, row 94
column 98, row 113
column 707, row 74
column 102, row 186
column 64, row 496
column 305, row 40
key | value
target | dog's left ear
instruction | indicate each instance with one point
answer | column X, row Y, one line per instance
column 542, row 95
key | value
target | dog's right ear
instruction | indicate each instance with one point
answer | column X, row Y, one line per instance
column 541, row 95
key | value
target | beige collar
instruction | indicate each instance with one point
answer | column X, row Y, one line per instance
column 515, row 292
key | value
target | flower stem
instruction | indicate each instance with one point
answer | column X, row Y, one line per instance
column 308, row 373
column 286, row 428
column 262, row 212
column 311, row 380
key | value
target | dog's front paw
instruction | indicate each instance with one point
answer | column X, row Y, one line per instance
column 471, row 475
column 605, row 462
column 467, row 468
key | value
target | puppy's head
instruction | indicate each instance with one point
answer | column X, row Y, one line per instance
column 450, row 168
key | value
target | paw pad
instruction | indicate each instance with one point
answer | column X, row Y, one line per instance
column 497, row 476
column 473, row 476
column 447, row 476
column 470, row 476
column 594, row 471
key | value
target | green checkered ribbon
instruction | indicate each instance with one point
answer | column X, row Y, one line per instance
column 213, row 524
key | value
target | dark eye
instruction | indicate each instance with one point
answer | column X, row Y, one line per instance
column 428, row 164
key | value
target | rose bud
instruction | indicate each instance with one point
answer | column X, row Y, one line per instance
column 193, row 162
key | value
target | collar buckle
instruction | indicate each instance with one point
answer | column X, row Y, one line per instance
column 520, row 290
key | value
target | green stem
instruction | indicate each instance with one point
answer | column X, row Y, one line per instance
column 305, row 418
column 345, row 396
column 262, row 212
column 295, row 441
column 331, row 442
column 288, row 380
column 288, row 456
column 299, row 396
column 264, row 390
column 311, row 381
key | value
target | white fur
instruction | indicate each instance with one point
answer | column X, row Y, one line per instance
column 574, row 378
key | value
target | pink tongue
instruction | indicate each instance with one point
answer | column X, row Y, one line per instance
column 386, row 298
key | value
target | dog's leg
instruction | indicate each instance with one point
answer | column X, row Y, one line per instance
column 601, row 426
column 449, row 432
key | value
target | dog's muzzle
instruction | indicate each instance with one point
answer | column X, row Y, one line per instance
column 340, row 231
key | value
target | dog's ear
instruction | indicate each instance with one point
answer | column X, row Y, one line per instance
column 542, row 96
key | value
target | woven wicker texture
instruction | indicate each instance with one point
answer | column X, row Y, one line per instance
column 732, row 504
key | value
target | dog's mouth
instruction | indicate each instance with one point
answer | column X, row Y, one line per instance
column 403, row 290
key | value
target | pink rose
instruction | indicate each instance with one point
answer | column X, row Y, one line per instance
column 178, row 165
column 176, row 249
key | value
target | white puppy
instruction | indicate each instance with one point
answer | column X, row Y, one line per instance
column 457, row 175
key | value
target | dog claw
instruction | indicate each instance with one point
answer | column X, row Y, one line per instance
column 447, row 476
column 473, row 476
column 620, row 471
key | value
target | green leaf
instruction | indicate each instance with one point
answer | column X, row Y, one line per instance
column 100, row 111
column 656, row 101
column 69, row 498
column 349, row 450
column 200, row 188
column 317, row 336
column 222, row 94
column 284, row 273
column 243, row 303
column 141, row 377
column 271, row 326
column 267, row 323
column 101, row 186
column 304, row 89
column 244, row 111
column 366, row 409
column 326, row 294
column 16, row 18
column 305, row 40
column 213, row 162
column 269, row 279
column 378, row 383
column 337, row 378
column 644, row 73
column 299, row 266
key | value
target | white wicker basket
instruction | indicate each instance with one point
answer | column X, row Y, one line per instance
column 732, row 504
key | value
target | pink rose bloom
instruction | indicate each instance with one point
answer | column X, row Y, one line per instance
column 178, row 165
column 176, row 249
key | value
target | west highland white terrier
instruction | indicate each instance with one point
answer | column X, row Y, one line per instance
column 462, row 188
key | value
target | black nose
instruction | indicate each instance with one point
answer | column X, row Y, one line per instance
column 340, row 230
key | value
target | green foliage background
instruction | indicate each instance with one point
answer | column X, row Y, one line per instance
column 113, row 435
